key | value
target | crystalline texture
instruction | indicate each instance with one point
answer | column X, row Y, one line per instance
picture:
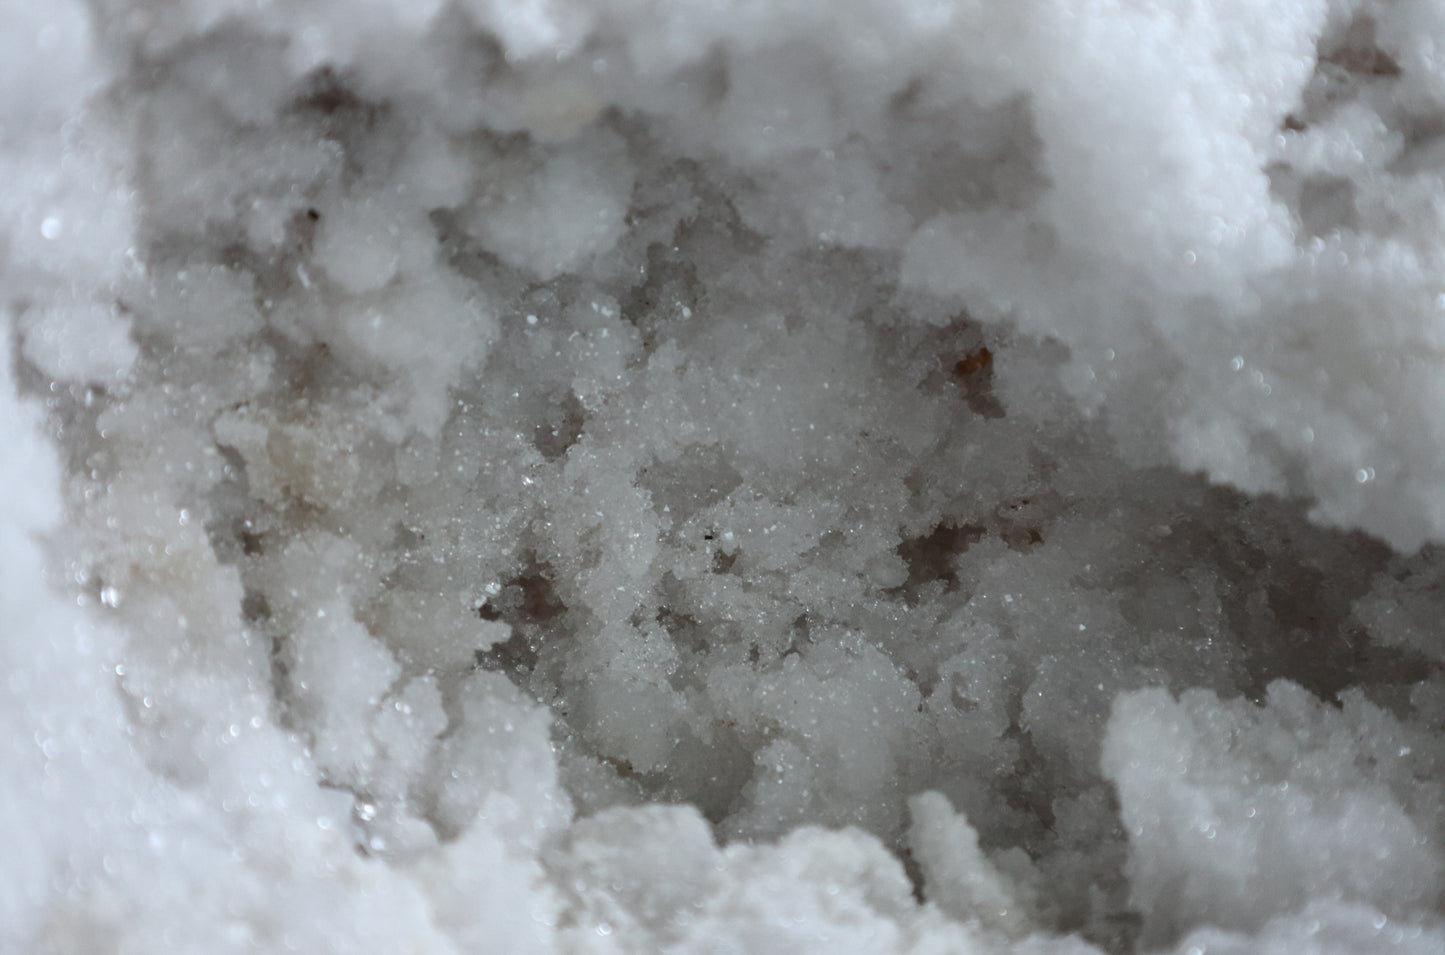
column 616, row 476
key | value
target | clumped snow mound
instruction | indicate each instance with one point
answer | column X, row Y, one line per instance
column 624, row 476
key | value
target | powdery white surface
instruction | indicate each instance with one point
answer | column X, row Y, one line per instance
column 620, row 476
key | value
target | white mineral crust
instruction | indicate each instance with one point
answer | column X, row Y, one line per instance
column 722, row 476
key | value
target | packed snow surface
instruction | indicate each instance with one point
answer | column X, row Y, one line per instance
column 722, row 476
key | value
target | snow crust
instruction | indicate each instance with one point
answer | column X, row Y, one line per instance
column 722, row 476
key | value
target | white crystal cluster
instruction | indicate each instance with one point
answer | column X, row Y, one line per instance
column 722, row 476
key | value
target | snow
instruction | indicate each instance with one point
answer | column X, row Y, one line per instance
column 619, row 476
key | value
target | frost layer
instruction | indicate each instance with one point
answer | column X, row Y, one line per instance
column 721, row 477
